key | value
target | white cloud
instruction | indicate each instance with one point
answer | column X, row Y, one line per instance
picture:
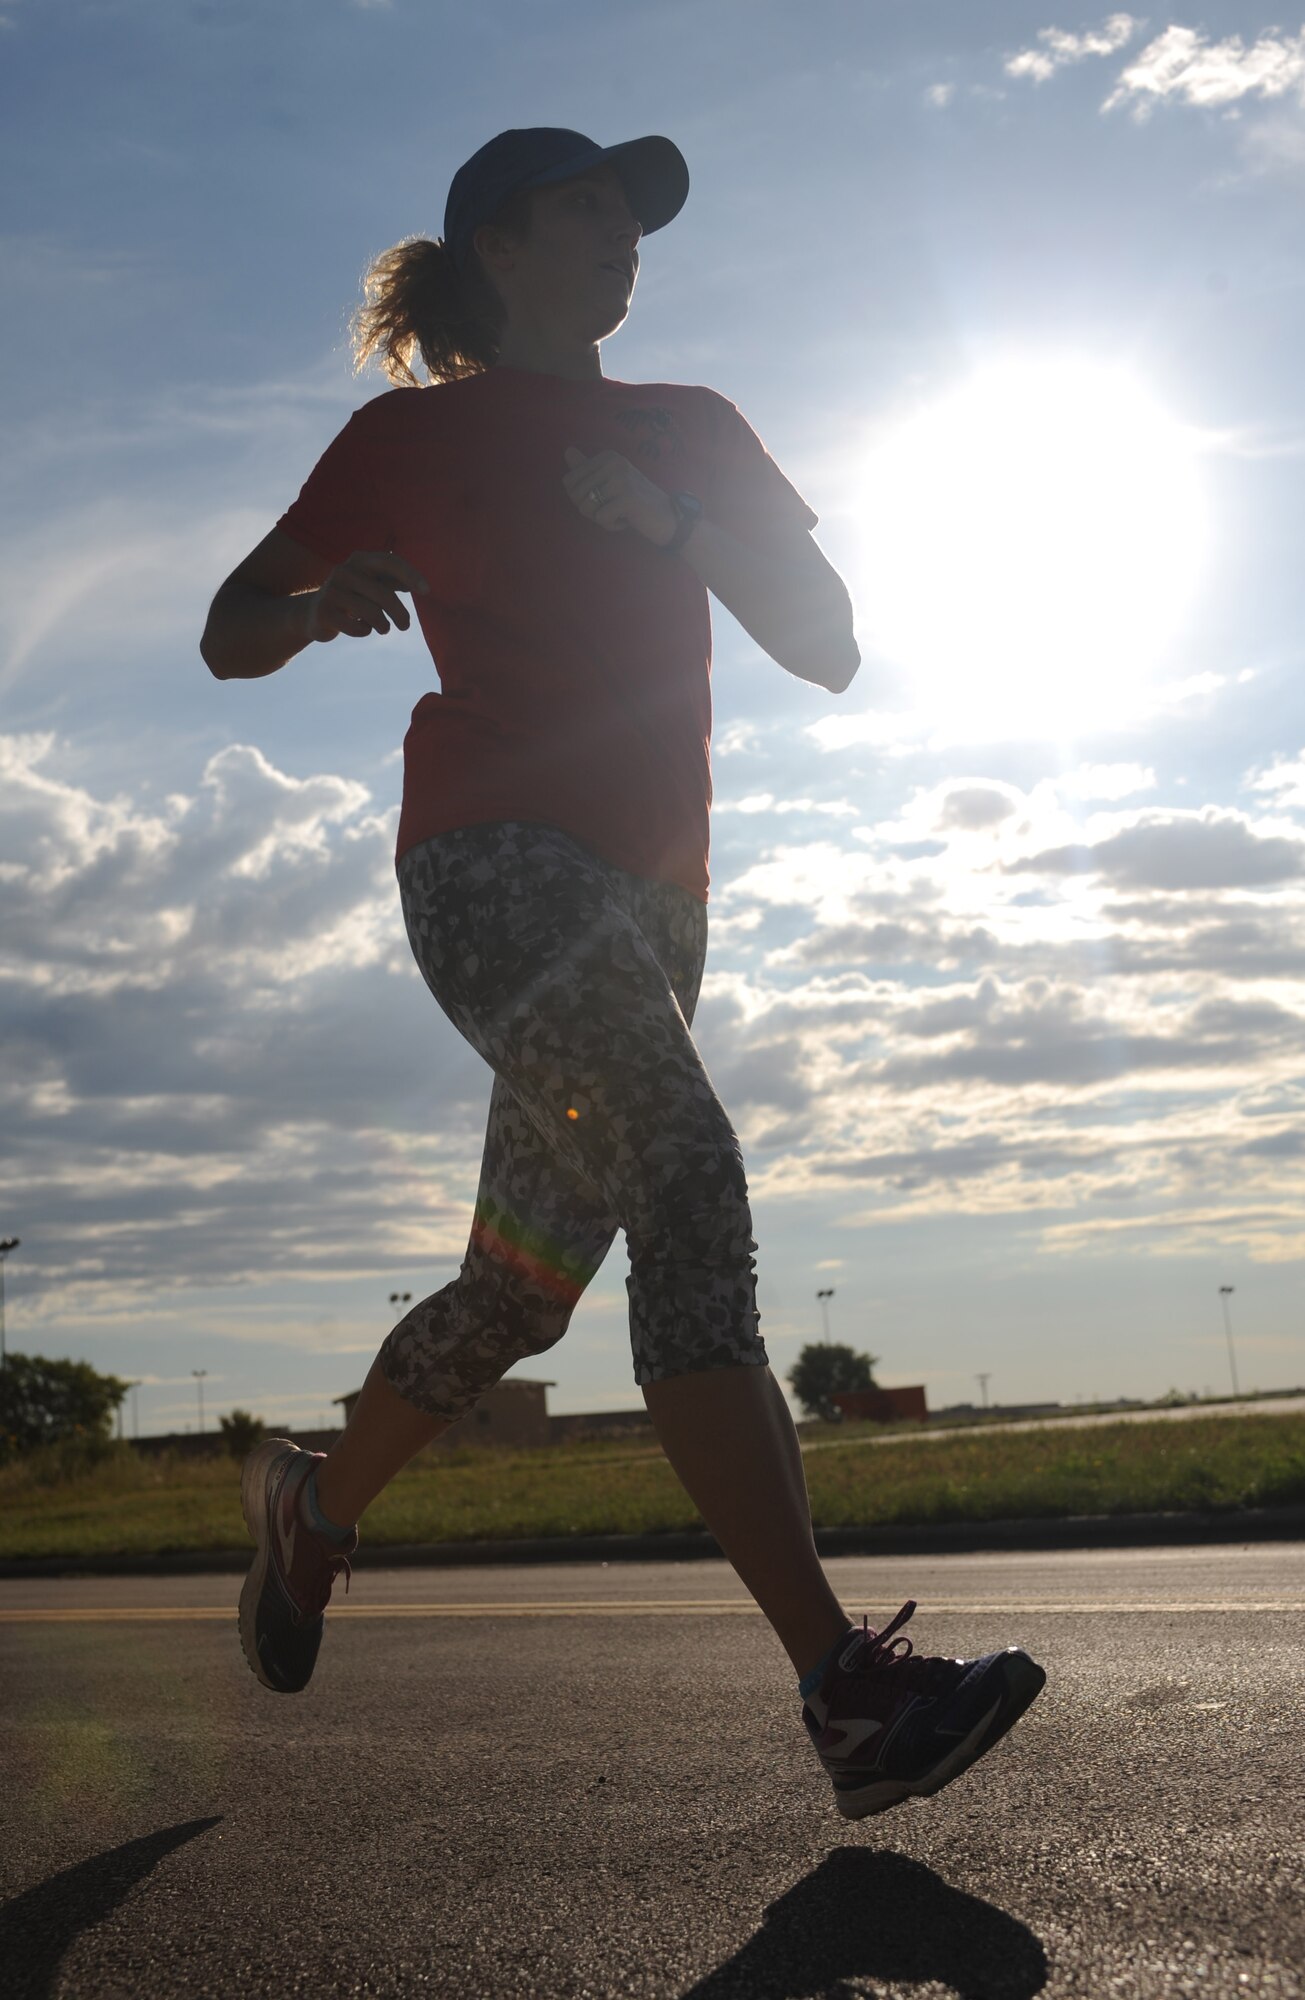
column 1059, row 49
column 1182, row 64
column 1285, row 779
column 735, row 739
column 766, row 802
column 1106, row 781
column 880, row 729
column 196, row 1085
column 225, row 1069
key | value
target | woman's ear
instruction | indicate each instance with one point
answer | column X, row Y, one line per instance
column 497, row 250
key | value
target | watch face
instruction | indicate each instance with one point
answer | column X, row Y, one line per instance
column 687, row 505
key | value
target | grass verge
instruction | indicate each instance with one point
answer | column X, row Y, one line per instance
column 129, row 1505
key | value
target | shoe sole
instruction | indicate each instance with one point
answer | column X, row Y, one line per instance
column 1025, row 1681
column 253, row 1505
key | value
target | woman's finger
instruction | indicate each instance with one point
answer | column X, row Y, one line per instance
column 375, row 591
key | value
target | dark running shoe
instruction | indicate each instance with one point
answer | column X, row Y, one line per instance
column 289, row 1586
column 889, row 1724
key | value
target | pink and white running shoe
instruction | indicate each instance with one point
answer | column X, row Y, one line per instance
column 287, row 1590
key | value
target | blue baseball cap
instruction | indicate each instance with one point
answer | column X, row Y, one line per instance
column 652, row 171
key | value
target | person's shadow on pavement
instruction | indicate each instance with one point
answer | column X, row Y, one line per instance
column 866, row 1916
column 37, row 1927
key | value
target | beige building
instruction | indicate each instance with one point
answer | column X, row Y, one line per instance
column 513, row 1412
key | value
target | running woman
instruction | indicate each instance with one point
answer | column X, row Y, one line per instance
column 558, row 532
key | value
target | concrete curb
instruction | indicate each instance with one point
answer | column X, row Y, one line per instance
column 1076, row 1531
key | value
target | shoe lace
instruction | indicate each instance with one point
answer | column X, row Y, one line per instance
column 890, row 1651
column 318, row 1594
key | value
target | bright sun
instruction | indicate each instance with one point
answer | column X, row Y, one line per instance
column 1033, row 542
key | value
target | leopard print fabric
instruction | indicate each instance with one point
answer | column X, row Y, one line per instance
column 577, row 983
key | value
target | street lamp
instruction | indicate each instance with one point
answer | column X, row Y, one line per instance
column 822, row 1296
column 9, row 1243
column 199, row 1374
column 1225, row 1293
column 400, row 1298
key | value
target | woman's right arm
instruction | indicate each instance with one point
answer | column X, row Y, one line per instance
column 282, row 597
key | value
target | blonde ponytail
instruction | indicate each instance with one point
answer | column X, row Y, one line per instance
column 419, row 303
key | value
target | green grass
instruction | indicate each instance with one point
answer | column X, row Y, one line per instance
column 130, row 1504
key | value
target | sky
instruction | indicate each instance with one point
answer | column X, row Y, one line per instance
column 1006, row 986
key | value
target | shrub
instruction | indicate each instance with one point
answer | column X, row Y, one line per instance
column 44, row 1402
column 241, row 1432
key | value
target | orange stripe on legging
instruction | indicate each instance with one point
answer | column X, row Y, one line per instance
column 539, row 1270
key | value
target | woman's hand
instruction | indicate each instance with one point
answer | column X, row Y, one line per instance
column 612, row 493
column 360, row 596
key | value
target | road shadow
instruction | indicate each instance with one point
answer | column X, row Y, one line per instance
column 866, row 1916
column 37, row 1927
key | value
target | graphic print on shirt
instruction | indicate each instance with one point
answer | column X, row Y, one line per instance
column 660, row 432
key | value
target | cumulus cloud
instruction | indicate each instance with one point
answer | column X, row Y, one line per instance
column 222, row 1066
column 974, row 808
column 766, row 802
column 1106, row 1043
column 1210, row 849
column 1106, row 781
column 1284, row 780
column 196, row 1086
column 1059, row 49
column 1182, row 64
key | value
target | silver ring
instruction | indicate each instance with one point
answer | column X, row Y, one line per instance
column 595, row 496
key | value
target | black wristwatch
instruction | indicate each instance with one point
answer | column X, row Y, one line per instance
column 688, row 513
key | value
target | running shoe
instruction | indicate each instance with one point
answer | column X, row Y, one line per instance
column 890, row 1724
column 288, row 1588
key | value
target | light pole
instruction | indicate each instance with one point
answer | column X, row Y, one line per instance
column 983, row 1381
column 400, row 1298
column 9, row 1243
column 199, row 1374
column 822, row 1296
column 1225, row 1293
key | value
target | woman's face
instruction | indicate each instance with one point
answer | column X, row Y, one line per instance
column 575, row 271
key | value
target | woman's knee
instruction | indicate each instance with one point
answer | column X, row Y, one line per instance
column 445, row 1353
column 693, row 1294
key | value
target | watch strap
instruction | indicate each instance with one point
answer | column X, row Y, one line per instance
column 688, row 510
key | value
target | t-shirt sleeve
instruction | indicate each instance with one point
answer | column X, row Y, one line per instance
column 750, row 498
column 339, row 507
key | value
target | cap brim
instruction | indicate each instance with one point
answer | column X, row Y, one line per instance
column 652, row 171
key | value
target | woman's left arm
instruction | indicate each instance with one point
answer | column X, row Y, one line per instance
column 787, row 597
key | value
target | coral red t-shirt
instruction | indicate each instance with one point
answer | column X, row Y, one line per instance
column 574, row 663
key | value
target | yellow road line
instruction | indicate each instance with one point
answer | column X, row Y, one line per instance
column 94, row 1614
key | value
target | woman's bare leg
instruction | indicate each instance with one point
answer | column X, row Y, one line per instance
column 730, row 1439
column 380, row 1437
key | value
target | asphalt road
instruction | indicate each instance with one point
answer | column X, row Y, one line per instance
column 557, row 1781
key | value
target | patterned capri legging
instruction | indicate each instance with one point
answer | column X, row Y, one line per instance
column 577, row 983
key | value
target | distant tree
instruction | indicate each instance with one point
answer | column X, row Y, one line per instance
column 241, row 1432
column 824, row 1367
column 44, row 1402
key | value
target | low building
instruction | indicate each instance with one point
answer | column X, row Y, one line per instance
column 882, row 1406
column 513, row 1413
column 599, row 1423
